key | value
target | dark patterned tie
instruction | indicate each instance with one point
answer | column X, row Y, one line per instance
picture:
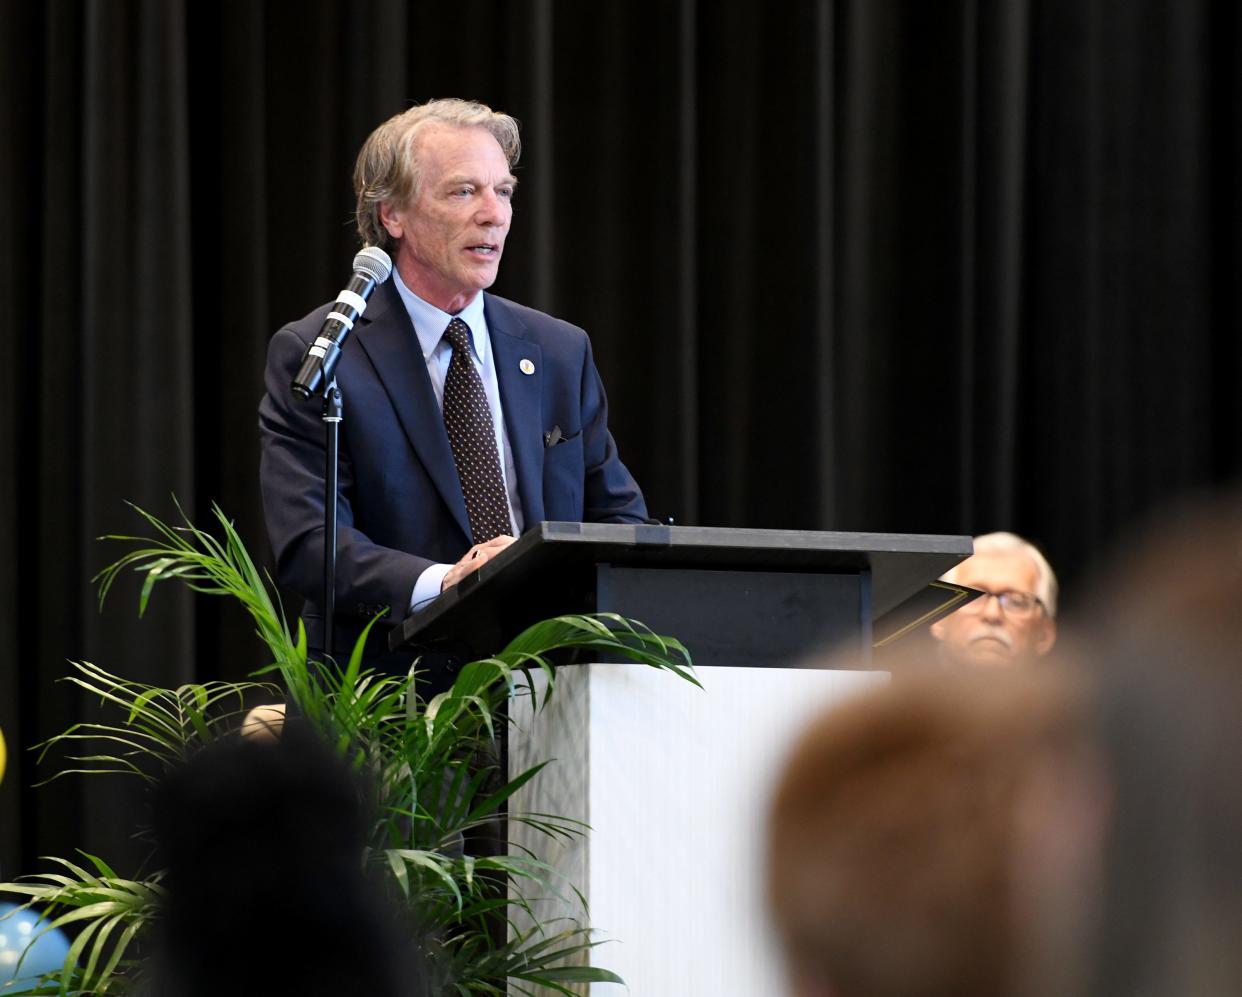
column 468, row 420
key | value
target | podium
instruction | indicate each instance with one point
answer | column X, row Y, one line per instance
column 739, row 597
column 673, row 779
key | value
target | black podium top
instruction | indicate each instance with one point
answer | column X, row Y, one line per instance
column 554, row 568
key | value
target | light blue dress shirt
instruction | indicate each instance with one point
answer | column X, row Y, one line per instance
column 429, row 325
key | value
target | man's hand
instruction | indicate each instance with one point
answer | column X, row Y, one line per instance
column 475, row 558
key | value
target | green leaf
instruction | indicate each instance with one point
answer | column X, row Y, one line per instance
column 493, row 802
column 432, row 863
column 430, row 769
column 572, row 974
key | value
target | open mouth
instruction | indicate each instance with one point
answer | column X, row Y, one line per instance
column 484, row 249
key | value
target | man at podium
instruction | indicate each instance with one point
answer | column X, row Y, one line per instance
column 467, row 417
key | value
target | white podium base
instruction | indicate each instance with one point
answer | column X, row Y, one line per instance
column 675, row 782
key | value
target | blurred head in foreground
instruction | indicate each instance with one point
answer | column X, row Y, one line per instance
column 1166, row 644
column 263, row 843
column 1015, row 620
column 894, row 829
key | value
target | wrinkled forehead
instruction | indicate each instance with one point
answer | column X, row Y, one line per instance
column 999, row 570
column 437, row 141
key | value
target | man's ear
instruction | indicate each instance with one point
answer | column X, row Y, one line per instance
column 392, row 220
column 1046, row 637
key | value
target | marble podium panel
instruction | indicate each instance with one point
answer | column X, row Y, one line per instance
column 674, row 782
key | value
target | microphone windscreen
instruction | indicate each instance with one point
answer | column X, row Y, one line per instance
column 373, row 262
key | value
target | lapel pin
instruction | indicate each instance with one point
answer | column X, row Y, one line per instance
column 526, row 366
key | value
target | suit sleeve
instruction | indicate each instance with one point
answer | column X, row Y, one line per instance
column 610, row 494
column 291, row 473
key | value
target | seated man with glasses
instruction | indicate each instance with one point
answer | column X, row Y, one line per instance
column 1016, row 620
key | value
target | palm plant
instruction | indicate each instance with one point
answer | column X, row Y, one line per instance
column 432, row 765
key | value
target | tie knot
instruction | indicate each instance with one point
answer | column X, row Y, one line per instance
column 458, row 334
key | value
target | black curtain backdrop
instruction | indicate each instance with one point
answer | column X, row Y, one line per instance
column 851, row 264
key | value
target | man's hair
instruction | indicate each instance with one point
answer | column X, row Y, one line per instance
column 891, row 834
column 261, row 842
column 1003, row 543
column 388, row 170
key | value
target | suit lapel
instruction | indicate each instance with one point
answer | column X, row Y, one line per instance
column 388, row 338
column 520, row 395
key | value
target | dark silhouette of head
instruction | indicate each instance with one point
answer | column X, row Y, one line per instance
column 263, row 842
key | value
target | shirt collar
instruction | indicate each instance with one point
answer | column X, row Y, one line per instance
column 430, row 322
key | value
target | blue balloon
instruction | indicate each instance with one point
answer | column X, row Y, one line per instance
column 21, row 931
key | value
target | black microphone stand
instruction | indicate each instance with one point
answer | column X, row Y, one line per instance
column 333, row 414
column 372, row 267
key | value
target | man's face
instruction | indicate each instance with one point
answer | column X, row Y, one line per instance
column 451, row 237
column 983, row 632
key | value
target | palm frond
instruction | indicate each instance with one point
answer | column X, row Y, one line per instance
column 161, row 727
column 431, row 764
column 100, row 903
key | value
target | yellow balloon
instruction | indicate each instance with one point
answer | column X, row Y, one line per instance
column 1, row 756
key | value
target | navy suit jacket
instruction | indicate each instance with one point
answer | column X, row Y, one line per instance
column 401, row 507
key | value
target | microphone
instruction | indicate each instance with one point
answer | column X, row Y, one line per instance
column 371, row 267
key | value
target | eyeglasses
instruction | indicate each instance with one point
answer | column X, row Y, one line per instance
column 1019, row 605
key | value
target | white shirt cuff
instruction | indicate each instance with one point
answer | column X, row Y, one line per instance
column 428, row 585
